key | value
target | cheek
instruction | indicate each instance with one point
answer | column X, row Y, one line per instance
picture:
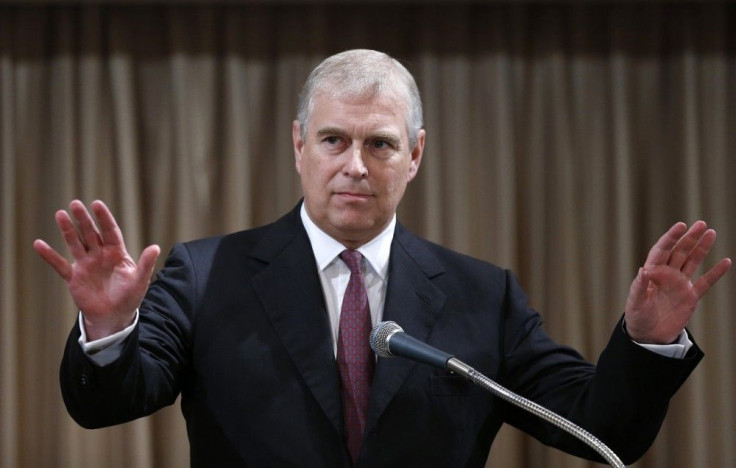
column 310, row 169
column 318, row 175
column 397, row 191
column 397, row 179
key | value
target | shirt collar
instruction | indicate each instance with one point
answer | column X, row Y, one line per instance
column 326, row 249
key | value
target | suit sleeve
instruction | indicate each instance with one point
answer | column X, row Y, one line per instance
column 622, row 400
column 149, row 372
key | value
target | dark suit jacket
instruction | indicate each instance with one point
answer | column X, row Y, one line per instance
column 237, row 324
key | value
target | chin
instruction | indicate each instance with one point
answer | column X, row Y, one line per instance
column 355, row 225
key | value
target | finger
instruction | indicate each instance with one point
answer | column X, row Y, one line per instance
column 70, row 234
column 681, row 252
column 86, row 225
column 699, row 252
column 147, row 262
column 703, row 284
column 638, row 290
column 52, row 257
column 109, row 229
column 660, row 252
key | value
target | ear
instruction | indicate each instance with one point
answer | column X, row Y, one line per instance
column 296, row 138
column 416, row 156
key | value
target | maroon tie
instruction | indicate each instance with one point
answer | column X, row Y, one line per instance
column 354, row 356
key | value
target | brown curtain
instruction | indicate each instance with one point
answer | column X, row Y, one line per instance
column 562, row 141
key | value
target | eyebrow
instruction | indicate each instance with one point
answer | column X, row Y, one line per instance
column 331, row 131
column 379, row 135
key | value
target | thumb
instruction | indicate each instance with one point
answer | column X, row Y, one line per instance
column 638, row 290
column 147, row 262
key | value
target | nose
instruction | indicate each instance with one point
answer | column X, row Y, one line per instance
column 355, row 166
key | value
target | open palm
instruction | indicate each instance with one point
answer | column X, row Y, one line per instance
column 103, row 280
column 664, row 295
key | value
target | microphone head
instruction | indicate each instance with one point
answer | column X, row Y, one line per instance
column 380, row 336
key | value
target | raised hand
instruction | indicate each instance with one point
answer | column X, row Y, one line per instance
column 663, row 296
column 104, row 281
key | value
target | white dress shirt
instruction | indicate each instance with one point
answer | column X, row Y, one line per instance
column 334, row 273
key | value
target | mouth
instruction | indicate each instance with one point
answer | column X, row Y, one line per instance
column 349, row 195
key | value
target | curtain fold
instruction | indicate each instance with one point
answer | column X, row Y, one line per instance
column 562, row 141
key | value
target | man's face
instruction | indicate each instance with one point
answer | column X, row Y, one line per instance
column 354, row 163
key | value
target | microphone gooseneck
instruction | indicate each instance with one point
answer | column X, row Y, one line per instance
column 388, row 340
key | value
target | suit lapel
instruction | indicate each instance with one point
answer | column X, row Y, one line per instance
column 413, row 302
column 291, row 293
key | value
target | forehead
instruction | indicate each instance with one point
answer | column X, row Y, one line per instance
column 384, row 111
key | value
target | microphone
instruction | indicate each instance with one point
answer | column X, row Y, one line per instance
column 389, row 340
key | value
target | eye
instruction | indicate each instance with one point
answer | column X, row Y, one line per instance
column 381, row 144
column 331, row 140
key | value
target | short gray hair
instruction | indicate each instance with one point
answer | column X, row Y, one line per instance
column 362, row 73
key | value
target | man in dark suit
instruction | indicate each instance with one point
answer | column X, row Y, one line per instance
column 256, row 330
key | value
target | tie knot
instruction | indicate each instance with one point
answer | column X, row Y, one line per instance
column 352, row 260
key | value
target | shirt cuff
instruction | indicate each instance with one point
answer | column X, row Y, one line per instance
column 105, row 350
column 676, row 350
